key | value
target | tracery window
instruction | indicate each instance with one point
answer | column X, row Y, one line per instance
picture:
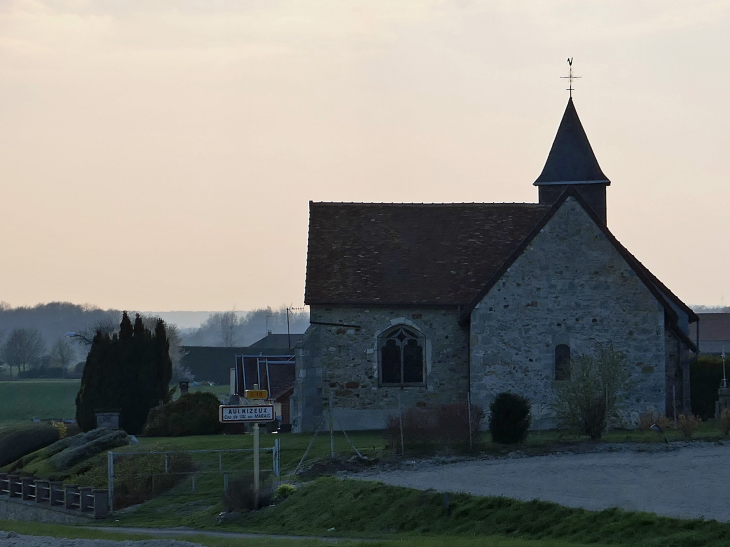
column 562, row 362
column 401, row 357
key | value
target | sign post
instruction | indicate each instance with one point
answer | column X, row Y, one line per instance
column 255, row 413
column 256, row 487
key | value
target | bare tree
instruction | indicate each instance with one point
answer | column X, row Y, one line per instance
column 23, row 345
column 594, row 391
column 62, row 353
column 225, row 325
column 106, row 325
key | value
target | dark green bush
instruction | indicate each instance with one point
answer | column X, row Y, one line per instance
column 241, row 496
column 704, row 380
column 191, row 414
column 16, row 442
column 509, row 418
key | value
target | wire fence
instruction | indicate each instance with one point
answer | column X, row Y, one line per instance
column 134, row 477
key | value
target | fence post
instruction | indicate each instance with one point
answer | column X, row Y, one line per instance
column 468, row 414
column 166, row 462
column 256, row 486
column 225, row 483
column 110, row 478
column 277, row 450
column 332, row 431
column 400, row 417
column 220, row 461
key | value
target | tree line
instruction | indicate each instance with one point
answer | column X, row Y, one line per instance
column 232, row 328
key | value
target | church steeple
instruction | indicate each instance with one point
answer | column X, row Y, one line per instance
column 571, row 162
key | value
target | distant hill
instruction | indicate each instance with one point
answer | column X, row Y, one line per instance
column 54, row 320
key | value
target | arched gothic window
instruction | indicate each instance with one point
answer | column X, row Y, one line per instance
column 562, row 362
column 401, row 357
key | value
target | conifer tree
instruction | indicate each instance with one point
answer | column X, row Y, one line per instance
column 129, row 373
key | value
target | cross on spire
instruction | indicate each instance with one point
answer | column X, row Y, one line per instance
column 570, row 77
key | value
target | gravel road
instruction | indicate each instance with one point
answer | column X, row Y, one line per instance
column 12, row 539
column 691, row 481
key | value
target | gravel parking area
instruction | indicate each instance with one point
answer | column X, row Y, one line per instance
column 12, row 539
column 689, row 481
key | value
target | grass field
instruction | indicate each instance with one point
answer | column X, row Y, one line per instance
column 22, row 400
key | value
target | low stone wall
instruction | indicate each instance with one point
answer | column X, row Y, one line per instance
column 28, row 511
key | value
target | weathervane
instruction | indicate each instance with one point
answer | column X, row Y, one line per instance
column 570, row 77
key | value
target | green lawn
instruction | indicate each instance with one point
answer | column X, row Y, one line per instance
column 293, row 446
column 22, row 400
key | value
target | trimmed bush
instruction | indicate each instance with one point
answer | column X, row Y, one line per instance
column 191, row 414
column 85, row 446
column 284, row 491
column 16, row 442
column 509, row 418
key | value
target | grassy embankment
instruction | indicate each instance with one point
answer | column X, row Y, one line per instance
column 372, row 510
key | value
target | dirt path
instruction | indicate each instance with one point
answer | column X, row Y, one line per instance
column 687, row 482
column 11, row 539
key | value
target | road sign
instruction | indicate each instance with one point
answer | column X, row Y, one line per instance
column 246, row 413
column 256, row 394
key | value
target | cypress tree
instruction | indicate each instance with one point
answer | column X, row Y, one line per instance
column 130, row 373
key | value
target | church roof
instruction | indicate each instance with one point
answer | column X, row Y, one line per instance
column 391, row 253
column 571, row 159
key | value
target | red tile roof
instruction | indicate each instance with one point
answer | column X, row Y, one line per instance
column 391, row 253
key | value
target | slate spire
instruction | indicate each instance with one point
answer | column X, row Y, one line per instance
column 571, row 159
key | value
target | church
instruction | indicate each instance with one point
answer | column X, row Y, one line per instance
column 427, row 304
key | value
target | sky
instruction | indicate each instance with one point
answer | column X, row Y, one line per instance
column 161, row 155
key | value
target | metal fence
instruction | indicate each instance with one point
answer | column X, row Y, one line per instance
column 54, row 494
column 134, row 476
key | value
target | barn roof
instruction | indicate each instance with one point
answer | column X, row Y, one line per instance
column 391, row 253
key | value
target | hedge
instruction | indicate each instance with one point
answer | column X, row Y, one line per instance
column 705, row 377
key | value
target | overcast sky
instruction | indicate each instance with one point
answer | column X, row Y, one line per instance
column 161, row 155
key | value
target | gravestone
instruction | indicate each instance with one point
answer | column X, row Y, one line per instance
column 107, row 420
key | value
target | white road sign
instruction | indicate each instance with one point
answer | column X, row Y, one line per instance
column 246, row 413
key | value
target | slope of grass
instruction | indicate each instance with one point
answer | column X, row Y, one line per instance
column 22, row 400
column 373, row 510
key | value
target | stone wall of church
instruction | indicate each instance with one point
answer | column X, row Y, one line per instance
column 570, row 286
column 338, row 360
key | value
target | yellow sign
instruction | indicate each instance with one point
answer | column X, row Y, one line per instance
column 256, row 394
